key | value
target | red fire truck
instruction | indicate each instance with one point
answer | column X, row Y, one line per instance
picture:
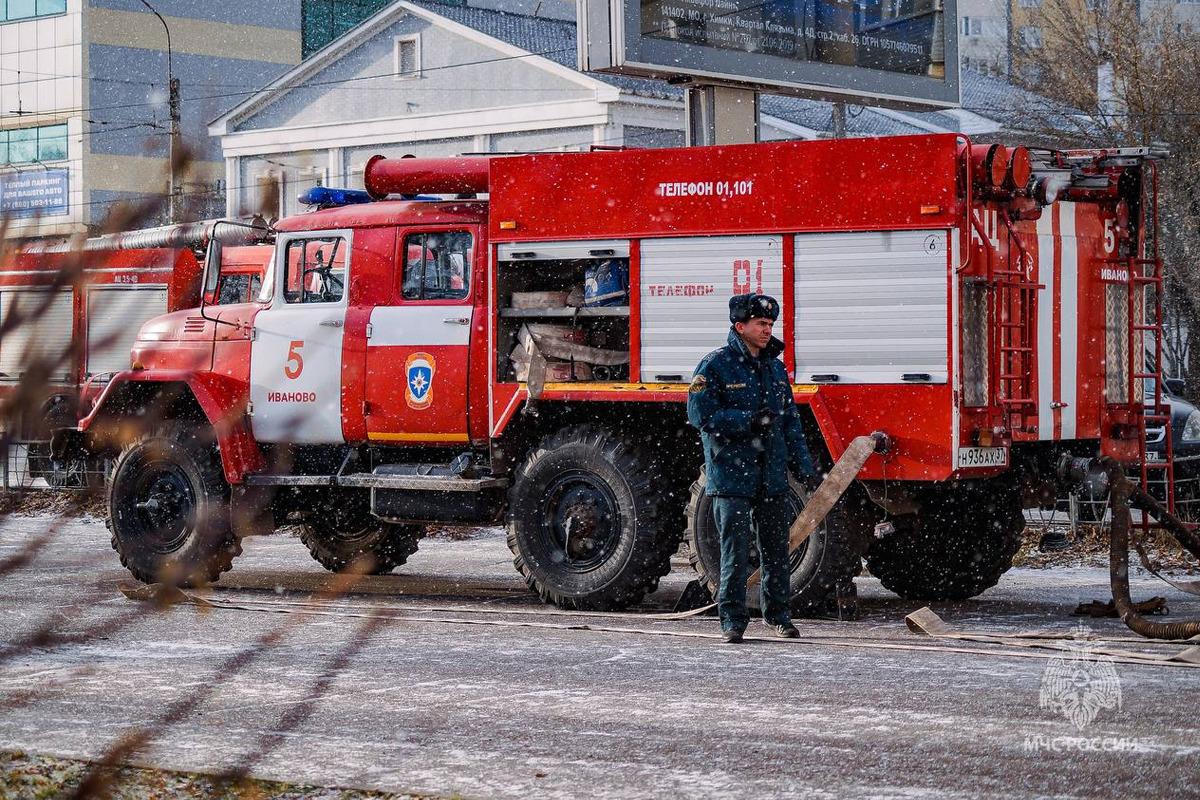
column 528, row 355
column 69, row 315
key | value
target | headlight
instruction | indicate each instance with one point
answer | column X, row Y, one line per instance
column 1191, row 428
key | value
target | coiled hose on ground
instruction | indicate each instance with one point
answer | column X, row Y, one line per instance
column 1125, row 493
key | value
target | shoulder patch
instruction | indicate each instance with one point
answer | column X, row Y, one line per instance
column 708, row 359
column 699, row 384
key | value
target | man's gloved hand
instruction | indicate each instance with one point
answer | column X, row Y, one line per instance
column 762, row 420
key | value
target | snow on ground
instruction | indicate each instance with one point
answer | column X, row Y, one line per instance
column 537, row 703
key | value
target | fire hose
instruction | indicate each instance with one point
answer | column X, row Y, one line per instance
column 1124, row 494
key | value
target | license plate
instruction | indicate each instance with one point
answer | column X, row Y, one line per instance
column 982, row 456
column 1156, row 458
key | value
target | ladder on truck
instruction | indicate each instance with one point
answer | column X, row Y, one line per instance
column 1016, row 325
column 1145, row 328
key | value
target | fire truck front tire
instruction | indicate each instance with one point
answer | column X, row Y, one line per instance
column 168, row 509
column 959, row 545
column 585, row 524
column 828, row 558
column 344, row 537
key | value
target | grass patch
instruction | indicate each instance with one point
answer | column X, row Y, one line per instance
column 34, row 777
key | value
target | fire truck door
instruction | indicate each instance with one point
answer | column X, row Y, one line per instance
column 417, row 347
column 296, row 352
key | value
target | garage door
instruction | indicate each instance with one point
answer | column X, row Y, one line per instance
column 39, row 336
column 686, row 284
column 871, row 307
column 114, row 318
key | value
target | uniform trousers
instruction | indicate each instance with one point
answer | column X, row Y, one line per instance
column 768, row 519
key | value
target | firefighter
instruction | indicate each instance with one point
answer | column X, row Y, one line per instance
column 741, row 401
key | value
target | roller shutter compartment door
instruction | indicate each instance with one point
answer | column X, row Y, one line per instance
column 871, row 307
column 40, row 336
column 685, row 288
column 114, row 318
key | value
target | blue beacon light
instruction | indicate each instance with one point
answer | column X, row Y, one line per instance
column 327, row 197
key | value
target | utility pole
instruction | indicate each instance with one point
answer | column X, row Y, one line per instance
column 839, row 120
column 720, row 115
column 173, row 196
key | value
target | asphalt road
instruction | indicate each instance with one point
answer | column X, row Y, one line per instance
column 469, row 687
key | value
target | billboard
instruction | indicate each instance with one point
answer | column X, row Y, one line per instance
column 34, row 193
column 879, row 52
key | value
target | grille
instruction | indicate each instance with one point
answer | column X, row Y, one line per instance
column 1116, row 343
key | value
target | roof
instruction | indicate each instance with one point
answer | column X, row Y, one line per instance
column 990, row 106
column 554, row 39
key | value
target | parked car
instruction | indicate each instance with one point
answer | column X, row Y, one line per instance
column 1185, row 440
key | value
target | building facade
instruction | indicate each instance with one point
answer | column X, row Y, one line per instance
column 84, row 100
column 983, row 35
column 1032, row 24
column 84, row 113
column 430, row 79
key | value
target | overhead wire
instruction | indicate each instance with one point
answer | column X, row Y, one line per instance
column 565, row 148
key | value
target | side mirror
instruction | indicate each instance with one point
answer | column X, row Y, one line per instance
column 212, row 271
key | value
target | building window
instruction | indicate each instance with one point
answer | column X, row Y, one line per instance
column 1096, row 5
column 407, row 58
column 972, row 26
column 28, row 9
column 1029, row 3
column 322, row 21
column 1030, row 37
column 33, row 145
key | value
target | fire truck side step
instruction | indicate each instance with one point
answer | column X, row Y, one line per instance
column 289, row 480
column 420, row 483
column 430, row 493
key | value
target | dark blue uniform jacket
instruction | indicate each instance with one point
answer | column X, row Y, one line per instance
column 728, row 387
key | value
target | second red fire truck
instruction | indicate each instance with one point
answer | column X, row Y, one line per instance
column 70, row 312
column 524, row 350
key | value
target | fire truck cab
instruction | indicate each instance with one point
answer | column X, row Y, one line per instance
column 527, row 355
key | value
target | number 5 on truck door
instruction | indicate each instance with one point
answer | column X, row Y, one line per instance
column 295, row 362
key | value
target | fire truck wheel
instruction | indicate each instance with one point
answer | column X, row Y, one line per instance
column 584, row 524
column 345, row 537
column 823, row 560
column 957, row 547
column 168, row 509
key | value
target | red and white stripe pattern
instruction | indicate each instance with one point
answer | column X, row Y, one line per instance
column 1058, row 323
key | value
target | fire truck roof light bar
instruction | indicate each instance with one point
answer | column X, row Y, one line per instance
column 329, row 197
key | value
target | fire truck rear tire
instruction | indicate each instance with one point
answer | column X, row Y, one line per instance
column 363, row 543
column 960, row 545
column 168, row 508
column 828, row 557
column 585, row 524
